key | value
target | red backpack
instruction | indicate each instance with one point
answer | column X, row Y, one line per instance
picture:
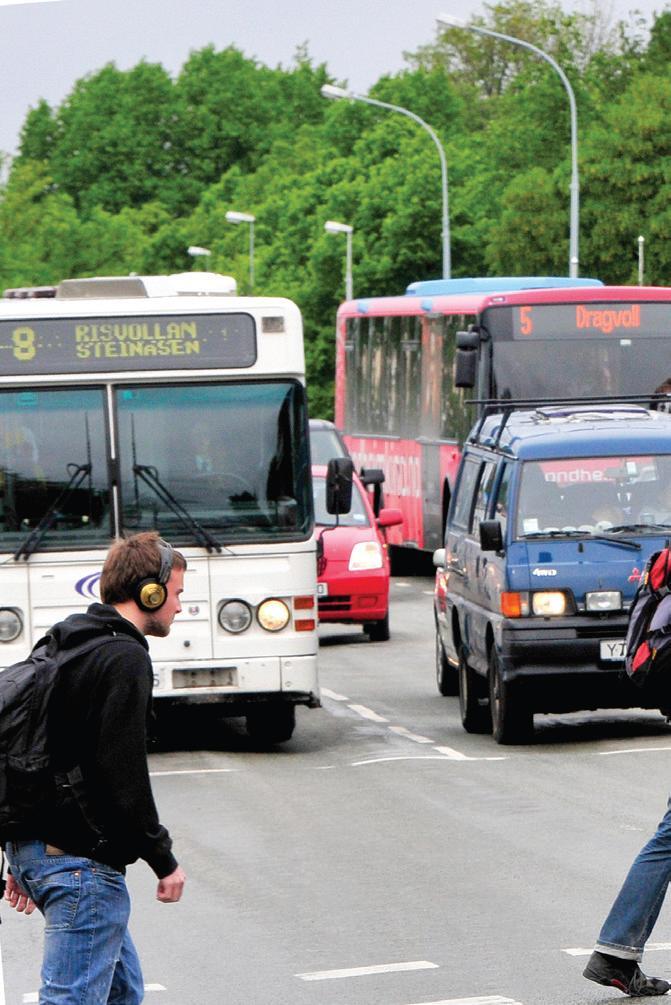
column 648, row 640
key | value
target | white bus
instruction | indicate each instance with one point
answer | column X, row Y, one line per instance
column 167, row 403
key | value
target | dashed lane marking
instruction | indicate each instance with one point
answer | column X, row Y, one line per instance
column 629, row 750
column 402, row 731
column 367, row 713
column 333, row 695
column 480, row 1000
column 193, row 771
column 33, row 996
column 650, row 947
column 381, row 968
column 448, row 753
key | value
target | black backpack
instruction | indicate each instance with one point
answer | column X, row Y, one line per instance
column 27, row 779
column 648, row 641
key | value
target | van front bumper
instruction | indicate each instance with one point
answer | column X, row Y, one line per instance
column 561, row 666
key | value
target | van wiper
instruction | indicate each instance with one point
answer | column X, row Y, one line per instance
column 77, row 472
column 587, row 535
column 149, row 475
column 632, row 527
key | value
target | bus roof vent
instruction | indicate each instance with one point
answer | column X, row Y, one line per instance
column 184, row 284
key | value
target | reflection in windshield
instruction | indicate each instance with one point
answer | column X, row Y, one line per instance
column 595, row 495
column 234, row 457
column 53, row 469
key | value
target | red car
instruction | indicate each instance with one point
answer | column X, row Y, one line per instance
column 353, row 570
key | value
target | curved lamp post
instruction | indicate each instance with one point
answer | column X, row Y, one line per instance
column 233, row 217
column 333, row 227
column 330, row 91
column 447, row 21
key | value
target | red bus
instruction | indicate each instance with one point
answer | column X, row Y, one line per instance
column 397, row 399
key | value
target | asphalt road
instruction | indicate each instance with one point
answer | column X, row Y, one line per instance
column 384, row 856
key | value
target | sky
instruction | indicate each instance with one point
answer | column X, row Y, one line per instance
column 47, row 45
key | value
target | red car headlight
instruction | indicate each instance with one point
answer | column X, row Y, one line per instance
column 365, row 555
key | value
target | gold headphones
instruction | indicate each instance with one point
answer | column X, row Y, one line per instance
column 151, row 594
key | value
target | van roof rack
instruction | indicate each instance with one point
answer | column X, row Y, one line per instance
column 546, row 408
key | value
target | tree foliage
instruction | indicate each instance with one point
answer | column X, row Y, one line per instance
column 134, row 166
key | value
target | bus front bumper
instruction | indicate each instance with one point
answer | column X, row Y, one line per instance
column 239, row 682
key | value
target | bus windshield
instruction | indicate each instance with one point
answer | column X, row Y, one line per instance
column 230, row 457
column 53, row 467
column 548, row 349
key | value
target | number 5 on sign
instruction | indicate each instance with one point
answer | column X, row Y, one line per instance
column 24, row 343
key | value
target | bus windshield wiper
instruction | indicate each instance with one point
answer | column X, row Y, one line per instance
column 77, row 472
column 149, row 475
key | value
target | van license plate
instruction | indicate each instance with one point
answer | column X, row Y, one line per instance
column 612, row 649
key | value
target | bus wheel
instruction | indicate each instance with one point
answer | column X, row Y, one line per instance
column 378, row 631
column 271, row 723
column 473, row 707
column 512, row 719
column 447, row 678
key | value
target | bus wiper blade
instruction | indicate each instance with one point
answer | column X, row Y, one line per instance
column 77, row 472
column 149, row 476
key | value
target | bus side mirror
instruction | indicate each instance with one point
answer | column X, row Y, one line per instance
column 339, row 476
column 466, row 358
column 491, row 536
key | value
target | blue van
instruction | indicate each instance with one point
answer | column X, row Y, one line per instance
column 555, row 513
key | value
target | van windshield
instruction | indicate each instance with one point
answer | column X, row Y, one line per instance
column 595, row 495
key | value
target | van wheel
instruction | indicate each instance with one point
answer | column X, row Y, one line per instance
column 512, row 719
column 378, row 631
column 473, row 707
column 271, row 723
column 447, row 678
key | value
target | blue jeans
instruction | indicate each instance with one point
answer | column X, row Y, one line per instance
column 89, row 956
column 634, row 913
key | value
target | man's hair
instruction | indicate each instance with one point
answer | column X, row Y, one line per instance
column 131, row 560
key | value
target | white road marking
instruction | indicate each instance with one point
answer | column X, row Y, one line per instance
column 402, row 731
column 630, row 750
column 480, row 1000
column 333, row 695
column 367, row 713
column 193, row 771
column 427, row 593
column 650, row 947
column 402, row 757
column 382, row 968
column 456, row 755
column 33, row 996
column 401, row 582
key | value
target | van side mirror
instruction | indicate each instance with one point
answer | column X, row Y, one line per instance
column 339, row 476
column 491, row 535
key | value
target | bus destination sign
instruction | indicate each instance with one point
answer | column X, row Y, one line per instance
column 608, row 320
column 104, row 344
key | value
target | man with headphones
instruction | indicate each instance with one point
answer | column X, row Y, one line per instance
column 72, row 864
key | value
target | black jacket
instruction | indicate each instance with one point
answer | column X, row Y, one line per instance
column 98, row 721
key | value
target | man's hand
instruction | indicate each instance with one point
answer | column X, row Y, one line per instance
column 17, row 898
column 170, row 887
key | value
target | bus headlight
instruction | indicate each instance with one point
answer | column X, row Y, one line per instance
column 273, row 615
column 11, row 625
column 235, row 616
column 365, row 555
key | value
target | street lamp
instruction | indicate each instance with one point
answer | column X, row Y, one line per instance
column 333, row 227
column 447, row 21
column 197, row 252
column 330, row 91
column 236, row 218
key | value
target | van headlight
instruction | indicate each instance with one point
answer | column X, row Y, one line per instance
column 11, row 625
column 273, row 615
column 548, row 603
column 603, row 600
column 235, row 616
